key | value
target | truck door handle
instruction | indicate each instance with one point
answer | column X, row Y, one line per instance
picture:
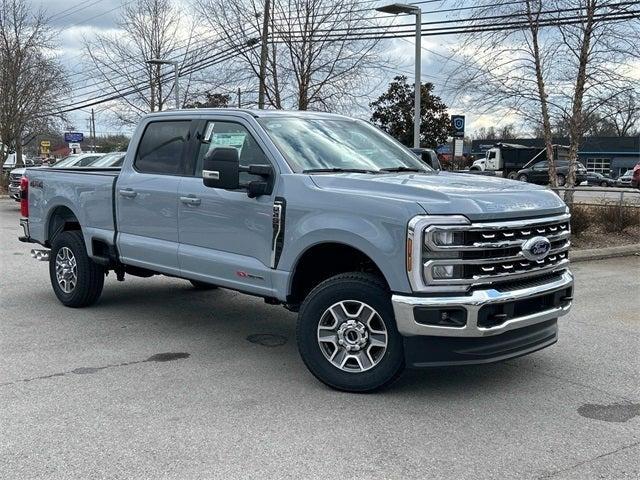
column 193, row 201
column 128, row 193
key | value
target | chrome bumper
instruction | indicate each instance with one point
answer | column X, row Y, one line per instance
column 403, row 307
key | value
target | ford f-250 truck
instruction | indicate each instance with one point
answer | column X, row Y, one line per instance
column 389, row 263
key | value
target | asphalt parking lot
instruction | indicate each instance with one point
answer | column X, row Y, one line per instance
column 161, row 381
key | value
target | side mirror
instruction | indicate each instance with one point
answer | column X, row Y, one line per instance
column 221, row 168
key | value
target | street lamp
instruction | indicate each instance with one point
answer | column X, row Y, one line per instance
column 159, row 61
column 404, row 9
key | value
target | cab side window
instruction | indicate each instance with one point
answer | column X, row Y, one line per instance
column 229, row 134
column 161, row 148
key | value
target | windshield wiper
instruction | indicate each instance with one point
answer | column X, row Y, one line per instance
column 338, row 170
column 401, row 169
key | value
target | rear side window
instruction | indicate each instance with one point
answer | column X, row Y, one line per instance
column 161, row 147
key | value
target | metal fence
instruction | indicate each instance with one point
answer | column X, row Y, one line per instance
column 599, row 196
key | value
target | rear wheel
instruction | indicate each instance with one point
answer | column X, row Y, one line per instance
column 512, row 175
column 76, row 279
column 202, row 286
column 347, row 335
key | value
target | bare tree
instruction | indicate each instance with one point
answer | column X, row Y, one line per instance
column 551, row 60
column 308, row 65
column 31, row 80
column 147, row 29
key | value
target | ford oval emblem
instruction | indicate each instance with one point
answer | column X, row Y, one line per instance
column 536, row 248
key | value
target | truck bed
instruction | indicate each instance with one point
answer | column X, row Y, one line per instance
column 88, row 193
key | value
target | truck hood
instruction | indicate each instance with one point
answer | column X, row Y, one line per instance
column 478, row 197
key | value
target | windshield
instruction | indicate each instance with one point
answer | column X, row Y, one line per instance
column 109, row 160
column 338, row 144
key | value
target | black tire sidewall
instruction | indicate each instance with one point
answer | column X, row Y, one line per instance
column 90, row 275
column 338, row 289
column 561, row 180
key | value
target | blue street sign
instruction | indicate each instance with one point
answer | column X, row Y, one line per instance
column 73, row 137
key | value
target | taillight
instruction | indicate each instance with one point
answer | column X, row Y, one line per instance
column 24, row 197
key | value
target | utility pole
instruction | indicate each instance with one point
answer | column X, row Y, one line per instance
column 263, row 54
column 239, row 98
column 93, row 129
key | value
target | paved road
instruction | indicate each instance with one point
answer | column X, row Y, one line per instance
column 83, row 393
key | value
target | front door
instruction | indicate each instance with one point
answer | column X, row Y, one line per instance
column 147, row 198
column 225, row 236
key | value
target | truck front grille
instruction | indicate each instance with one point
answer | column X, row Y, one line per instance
column 480, row 253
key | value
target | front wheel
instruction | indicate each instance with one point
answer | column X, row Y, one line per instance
column 604, row 184
column 76, row 279
column 347, row 335
column 523, row 178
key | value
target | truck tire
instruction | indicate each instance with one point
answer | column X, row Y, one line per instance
column 76, row 279
column 202, row 285
column 347, row 335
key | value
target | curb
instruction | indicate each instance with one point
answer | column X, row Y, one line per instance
column 602, row 253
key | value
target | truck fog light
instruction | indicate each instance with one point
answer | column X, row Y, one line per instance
column 443, row 271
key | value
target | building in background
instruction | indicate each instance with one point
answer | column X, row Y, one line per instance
column 610, row 156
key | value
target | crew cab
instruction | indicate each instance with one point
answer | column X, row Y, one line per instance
column 387, row 262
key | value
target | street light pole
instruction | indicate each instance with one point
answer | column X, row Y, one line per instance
column 404, row 9
column 176, row 87
column 417, row 119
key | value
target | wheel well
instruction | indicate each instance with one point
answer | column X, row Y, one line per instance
column 62, row 219
column 324, row 261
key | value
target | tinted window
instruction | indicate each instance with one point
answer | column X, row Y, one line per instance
column 161, row 146
column 228, row 134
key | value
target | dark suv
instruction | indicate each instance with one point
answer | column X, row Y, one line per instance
column 539, row 173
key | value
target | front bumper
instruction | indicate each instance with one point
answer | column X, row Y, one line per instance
column 406, row 307
column 14, row 191
column 527, row 322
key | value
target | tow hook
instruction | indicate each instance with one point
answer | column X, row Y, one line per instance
column 38, row 254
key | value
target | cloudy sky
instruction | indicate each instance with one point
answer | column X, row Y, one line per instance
column 78, row 19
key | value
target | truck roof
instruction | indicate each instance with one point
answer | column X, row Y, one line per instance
column 250, row 112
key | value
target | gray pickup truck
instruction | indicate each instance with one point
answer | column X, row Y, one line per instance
column 389, row 263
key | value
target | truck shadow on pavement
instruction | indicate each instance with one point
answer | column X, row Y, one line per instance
column 226, row 320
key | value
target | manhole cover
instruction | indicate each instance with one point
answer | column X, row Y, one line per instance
column 267, row 339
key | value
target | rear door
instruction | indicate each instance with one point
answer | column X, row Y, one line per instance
column 225, row 236
column 147, row 197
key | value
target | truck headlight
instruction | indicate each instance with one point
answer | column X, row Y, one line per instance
column 446, row 238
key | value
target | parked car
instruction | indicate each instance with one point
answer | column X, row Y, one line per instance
column 14, row 182
column 81, row 160
column 597, row 179
column 110, row 160
column 387, row 262
column 428, row 156
column 624, row 180
column 635, row 177
column 539, row 173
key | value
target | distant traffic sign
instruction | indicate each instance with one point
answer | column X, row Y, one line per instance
column 73, row 137
column 457, row 124
column 45, row 143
